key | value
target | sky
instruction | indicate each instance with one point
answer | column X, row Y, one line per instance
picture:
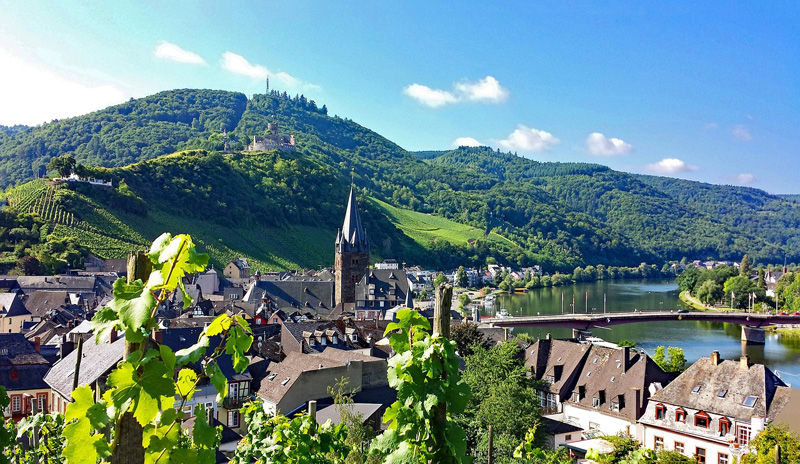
column 707, row 91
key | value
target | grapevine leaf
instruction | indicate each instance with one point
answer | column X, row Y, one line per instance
column 217, row 378
column 134, row 303
column 167, row 356
column 205, row 436
column 219, row 325
column 105, row 320
column 186, row 382
column 83, row 406
column 81, row 446
column 193, row 353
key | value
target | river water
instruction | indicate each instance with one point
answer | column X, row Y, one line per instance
column 781, row 354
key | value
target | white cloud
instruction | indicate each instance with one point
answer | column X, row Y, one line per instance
column 742, row 133
column 428, row 96
column 529, row 140
column 466, row 142
column 671, row 166
column 32, row 94
column 170, row 51
column 486, row 90
column 599, row 144
column 238, row 64
column 744, row 178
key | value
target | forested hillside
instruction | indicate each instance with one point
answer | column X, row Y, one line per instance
column 438, row 208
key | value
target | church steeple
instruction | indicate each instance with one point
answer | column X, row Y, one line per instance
column 352, row 237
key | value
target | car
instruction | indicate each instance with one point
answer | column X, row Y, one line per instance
column 795, row 313
column 783, row 313
column 683, row 311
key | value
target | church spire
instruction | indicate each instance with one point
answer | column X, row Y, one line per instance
column 352, row 236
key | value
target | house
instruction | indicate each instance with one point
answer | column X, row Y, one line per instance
column 557, row 433
column 239, row 268
column 315, row 296
column 388, row 264
column 22, row 370
column 351, row 256
column 599, row 387
column 97, row 361
column 713, row 409
column 207, row 281
column 233, row 293
column 287, row 386
column 13, row 313
column 379, row 290
column 312, row 336
column 86, row 286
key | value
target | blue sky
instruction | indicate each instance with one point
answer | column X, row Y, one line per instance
column 707, row 92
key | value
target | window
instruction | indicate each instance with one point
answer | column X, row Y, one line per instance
column 700, row 455
column 679, row 447
column 722, row 458
column 722, row 393
column 696, row 389
column 550, row 378
column 661, row 412
column 16, row 403
column 659, row 443
column 743, row 434
column 568, row 437
column 244, row 389
column 680, row 415
column 596, row 402
column 724, row 426
column 274, row 320
column 233, row 390
column 594, row 426
column 324, row 340
column 42, row 406
column 701, row 419
column 233, row 418
column 750, row 401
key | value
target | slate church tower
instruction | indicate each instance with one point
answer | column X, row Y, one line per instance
column 352, row 255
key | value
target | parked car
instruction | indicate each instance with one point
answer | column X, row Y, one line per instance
column 683, row 311
column 783, row 313
column 795, row 313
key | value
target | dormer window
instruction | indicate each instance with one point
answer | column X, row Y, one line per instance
column 680, row 415
column 724, row 426
column 701, row 420
column 596, row 402
column 335, row 340
column 661, row 412
column 323, row 341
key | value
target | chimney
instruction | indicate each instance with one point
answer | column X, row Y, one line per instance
column 715, row 358
column 158, row 336
column 38, row 341
column 626, row 356
column 112, row 336
column 637, row 393
column 547, row 337
column 505, row 333
column 744, row 363
column 67, row 346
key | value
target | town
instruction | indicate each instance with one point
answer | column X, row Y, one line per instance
column 314, row 329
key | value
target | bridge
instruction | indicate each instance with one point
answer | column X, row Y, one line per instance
column 752, row 323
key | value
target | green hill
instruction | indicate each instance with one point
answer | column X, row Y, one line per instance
column 439, row 208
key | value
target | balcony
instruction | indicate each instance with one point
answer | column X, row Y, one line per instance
column 234, row 403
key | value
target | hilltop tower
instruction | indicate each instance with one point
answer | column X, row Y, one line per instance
column 352, row 254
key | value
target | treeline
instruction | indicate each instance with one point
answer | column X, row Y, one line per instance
column 727, row 286
column 505, row 281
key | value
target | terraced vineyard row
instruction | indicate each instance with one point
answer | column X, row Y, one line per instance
column 39, row 198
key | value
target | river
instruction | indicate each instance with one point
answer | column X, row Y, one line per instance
column 781, row 354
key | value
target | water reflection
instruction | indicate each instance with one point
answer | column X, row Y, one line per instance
column 697, row 338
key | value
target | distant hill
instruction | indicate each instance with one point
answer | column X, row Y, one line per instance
column 438, row 208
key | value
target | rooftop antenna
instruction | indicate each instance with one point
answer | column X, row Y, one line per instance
column 352, row 176
column 267, row 85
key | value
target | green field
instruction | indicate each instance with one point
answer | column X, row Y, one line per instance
column 426, row 228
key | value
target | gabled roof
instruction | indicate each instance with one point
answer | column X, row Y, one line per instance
column 42, row 302
column 68, row 283
column 543, row 357
column 16, row 350
column 352, row 237
column 312, row 296
column 11, row 305
column 279, row 377
column 388, row 284
column 301, row 331
column 739, row 383
column 97, row 360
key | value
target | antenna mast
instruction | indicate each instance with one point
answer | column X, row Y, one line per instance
column 267, row 85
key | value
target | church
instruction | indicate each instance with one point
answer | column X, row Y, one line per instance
column 355, row 290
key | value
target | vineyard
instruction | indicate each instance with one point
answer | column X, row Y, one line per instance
column 41, row 198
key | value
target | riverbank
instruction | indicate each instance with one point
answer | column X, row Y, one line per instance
column 784, row 331
column 694, row 303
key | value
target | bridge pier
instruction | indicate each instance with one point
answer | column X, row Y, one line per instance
column 580, row 335
column 753, row 335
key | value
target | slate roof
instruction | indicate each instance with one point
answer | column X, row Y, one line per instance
column 606, row 373
column 68, row 283
column 11, row 305
column 16, row 350
column 331, row 412
column 301, row 331
column 313, row 296
column 284, row 374
column 554, row 427
column 352, row 237
column 756, row 381
column 41, row 303
column 546, row 355
column 389, row 285
column 180, row 338
column 96, row 361
column 788, row 414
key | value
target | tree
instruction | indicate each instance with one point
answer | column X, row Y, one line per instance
column 467, row 337
column 463, row 300
column 764, row 446
column 762, row 281
column 63, row 165
column 688, row 278
column 461, row 277
column 709, row 292
column 439, row 280
column 739, row 288
column 28, row 266
column 745, row 268
column 670, row 359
